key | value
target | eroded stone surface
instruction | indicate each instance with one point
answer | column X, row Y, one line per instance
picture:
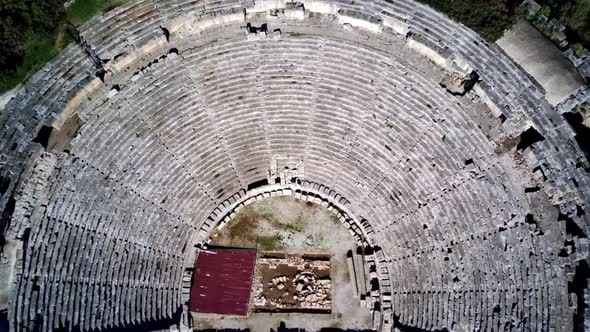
column 459, row 83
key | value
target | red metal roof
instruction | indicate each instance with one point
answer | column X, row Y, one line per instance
column 222, row 281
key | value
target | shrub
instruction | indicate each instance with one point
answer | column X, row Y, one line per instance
column 334, row 218
column 578, row 48
column 545, row 11
column 530, row 17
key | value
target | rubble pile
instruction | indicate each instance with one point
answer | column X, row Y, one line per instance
column 312, row 292
column 293, row 282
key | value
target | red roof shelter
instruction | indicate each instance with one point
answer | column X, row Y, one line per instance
column 222, row 281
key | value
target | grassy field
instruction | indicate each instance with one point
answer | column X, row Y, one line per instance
column 269, row 243
column 82, row 11
column 39, row 48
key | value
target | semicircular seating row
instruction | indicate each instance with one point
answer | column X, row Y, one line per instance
column 71, row 71
column 506, row 84
column 153, row 161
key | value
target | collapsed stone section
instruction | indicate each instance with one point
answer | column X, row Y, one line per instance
column 33, row 195
column 528, row 138
column 459, row 83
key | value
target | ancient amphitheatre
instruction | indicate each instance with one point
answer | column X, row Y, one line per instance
column 123, row 154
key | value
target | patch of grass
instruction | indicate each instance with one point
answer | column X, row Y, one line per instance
column 530, row 17
column 545, row 11
column 334, row 218
column 268, row 243
column 319, row 239
column 296, row 227
column 244, row 223
column 292, row 228
column 82, row 11
column 300, row 224
column 271, row 218
column 39, row 48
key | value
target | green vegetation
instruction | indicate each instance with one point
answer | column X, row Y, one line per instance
column 39, row 47
column 82, row 11
column 296, row 227
column 32, row 32
column 244, row 228
column 271, row 218
column 488, row 17
column 545, row 11
column 530, row 16
column 491, row 18
column 319, row 239
column 574, row 15
column 334, row 218
column 578, row 48
column 244, row 223
column 268, row 243
column 29, row 31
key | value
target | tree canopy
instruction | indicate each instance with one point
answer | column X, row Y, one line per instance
column 32, row 32
column 489, row 18
column 27, row 36
column 575, row 15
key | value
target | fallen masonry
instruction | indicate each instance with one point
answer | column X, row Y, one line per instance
column 291, row 282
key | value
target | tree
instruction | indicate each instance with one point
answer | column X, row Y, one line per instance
column 575, row 15
column 488, row 18
column 545, row 11
column 24, row 24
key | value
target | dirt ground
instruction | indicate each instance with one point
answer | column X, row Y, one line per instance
column 280, row 223
column 292, row 225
